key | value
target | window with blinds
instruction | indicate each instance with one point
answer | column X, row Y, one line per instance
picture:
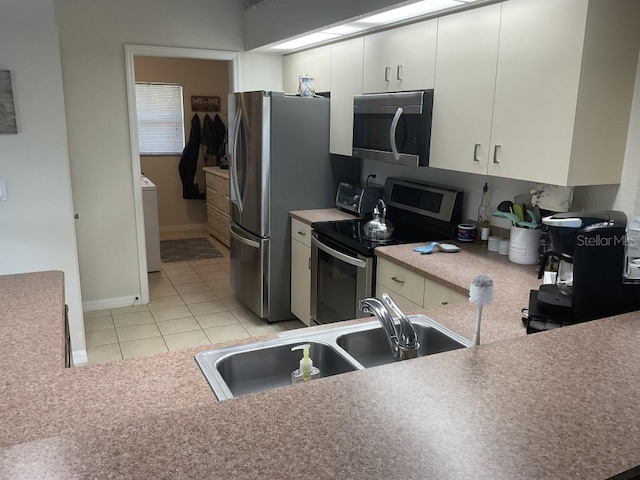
column 160, row 119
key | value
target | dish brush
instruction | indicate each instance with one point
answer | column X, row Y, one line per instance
column 480, row 293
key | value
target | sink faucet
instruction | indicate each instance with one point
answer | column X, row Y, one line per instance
column 404, row 344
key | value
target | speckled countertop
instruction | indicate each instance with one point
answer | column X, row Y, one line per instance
column 222, row 172
column 562, row 404
column 320, row 215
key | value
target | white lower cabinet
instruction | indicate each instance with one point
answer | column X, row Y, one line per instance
column 412, row 291
column 301, row 271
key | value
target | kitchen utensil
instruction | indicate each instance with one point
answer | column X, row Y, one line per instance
column 378, row 228
column 534, row 217
column 505, row 206
column 517, row 210
column 516, row 220
column 510, row 215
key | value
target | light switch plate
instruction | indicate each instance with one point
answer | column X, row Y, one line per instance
column 3, row 191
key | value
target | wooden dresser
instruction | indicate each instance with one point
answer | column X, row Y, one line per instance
column 218, row 218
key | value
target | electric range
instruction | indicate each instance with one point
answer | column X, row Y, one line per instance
column 342, row 258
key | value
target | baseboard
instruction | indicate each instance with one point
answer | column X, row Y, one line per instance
column 111, row 303
column 184, row 228
column 79, row 357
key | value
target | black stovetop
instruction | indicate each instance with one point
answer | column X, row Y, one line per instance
column 349, row 233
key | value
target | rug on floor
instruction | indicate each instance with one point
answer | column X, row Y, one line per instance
column 187, row 249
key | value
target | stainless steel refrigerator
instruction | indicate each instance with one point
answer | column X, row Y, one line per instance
column 279, row 161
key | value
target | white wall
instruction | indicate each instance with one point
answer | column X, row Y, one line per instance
column 92, row 38
column 37, row 229
column 626, row 196
column 499, row 188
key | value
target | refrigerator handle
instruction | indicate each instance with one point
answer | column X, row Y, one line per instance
column 235, row 188
column 246, row 241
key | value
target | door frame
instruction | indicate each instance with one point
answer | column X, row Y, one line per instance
column 130, row 52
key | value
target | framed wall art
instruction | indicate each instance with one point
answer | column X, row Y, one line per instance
column 201, row 103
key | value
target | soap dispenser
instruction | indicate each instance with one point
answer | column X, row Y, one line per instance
column 307, row 371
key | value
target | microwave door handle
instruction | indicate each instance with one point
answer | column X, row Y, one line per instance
column 392, row 134
column 235, row 188
column 356, row 262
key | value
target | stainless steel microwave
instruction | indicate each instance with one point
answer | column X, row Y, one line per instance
column 393, row 127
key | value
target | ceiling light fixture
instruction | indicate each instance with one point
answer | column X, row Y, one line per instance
column 389, row 17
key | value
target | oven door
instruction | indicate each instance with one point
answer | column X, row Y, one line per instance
column 393, row 127
column 340, row 278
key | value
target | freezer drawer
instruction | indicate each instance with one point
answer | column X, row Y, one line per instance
column 250, row 270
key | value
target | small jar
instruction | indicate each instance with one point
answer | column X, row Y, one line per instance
column 494, row 244
column 503, row 248
column 466, row 232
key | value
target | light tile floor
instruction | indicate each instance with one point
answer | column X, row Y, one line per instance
column 191, row 304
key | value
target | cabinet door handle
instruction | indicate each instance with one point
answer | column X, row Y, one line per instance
column 302, row 233
column 445, row 303
column 309, row 263
column 476, row 149
column 496, row 151
column 396, row 279
column 387, row 73
column 399, row 72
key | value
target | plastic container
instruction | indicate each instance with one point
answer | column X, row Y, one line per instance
column 307, row 371
column 523, row 246
column 503, row 248
column 494, row 243
column 466, row 232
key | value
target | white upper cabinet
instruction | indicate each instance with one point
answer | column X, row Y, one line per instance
column 346, row 82
column 564, row 85
column 315, row 62
column 400, row 59
column 537, row 83
column 464, row 88
column 293, row 66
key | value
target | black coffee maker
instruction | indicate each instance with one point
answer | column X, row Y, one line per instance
column 594, row 277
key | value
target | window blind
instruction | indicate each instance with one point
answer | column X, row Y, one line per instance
column 160, row 119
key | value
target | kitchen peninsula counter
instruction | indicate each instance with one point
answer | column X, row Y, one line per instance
column 562, row 404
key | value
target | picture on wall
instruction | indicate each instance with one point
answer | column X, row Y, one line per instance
column 7, row 110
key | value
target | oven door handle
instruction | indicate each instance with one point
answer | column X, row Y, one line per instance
column 356, row 262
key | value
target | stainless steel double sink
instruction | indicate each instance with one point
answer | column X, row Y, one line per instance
column 254, row 367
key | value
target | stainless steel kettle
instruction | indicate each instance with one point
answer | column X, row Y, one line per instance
column 378, row 228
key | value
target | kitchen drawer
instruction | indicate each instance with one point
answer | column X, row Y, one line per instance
column 401, row 280
column 218, row 199
column 221, row 185
column 436, row 294
column 404, row 303
column 211, row 194
column 218, row 224
column 301, row 232
column 210, row 180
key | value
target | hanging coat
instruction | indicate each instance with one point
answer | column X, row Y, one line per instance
column 189, row 162
column 213, row 134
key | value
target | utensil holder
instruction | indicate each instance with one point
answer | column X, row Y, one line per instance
column 523, row 245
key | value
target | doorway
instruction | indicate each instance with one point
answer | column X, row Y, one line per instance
column 131, row 52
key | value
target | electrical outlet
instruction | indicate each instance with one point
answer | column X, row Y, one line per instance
column 3, row 191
